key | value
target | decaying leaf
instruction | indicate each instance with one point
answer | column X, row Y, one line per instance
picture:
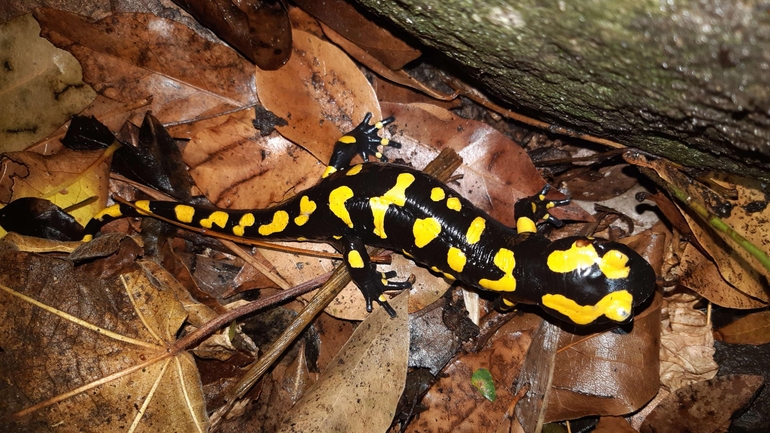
column 57, row 178
column 361, row 387
column 41, row 86
column 320, row 92
column 131, row 56
column 751, row 329
column 83, row 352
column 686, row 344
column 237, row 168
column 703, row 407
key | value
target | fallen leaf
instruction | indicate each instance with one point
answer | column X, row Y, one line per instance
column 699, row 274
column 81, row 352
column 686, row 344
column 751, row 329
column 320, row 92
column 41, row 86
column 131, row 56
column 372, row 38
column 703, row 407
column 361, row 387
column 57, row 178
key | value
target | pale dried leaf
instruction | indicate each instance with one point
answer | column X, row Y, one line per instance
column 41, row 86
column 686, row 345
column 361, row 386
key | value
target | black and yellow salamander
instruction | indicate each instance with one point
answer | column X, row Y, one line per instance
column 580, row 279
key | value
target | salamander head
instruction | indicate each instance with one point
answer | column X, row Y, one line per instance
column 590, row 280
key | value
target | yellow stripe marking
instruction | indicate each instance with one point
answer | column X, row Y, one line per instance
column 306, row 208
column 504, row 261
column 184, row 213
column 143, row 205
column 217, row 217
column 454, row 204
column 247, row 220
column 355, row 260
column 280, row 221
column 347, row 139
column 448, row 276
column 475, row 230
column 437, row 194
column 329, row 170
column 613, row 265
column 395, row 195
column 525, row 225
column 456, row 259
column 616, row 306
column 354, row 170
column 337, row 237
column 425, row 230
column 337, row 199
column 110, row 211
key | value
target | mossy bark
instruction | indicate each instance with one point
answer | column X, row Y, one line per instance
column 686, row 79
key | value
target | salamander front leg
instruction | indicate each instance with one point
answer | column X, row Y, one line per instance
column 364, row 273
column 363, row 140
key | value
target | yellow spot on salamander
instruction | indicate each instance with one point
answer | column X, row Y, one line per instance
column 475, row 230
column 329, row 170
column 504, row 261
column 354, row 170
column 437, row 194
column 448, row 276
column 616, row 306
column 613, row 265
column 247, row 220
column 87, row 238
column 454, row 204
column 425, row 230
column 406, row 253
column 456, row 259
column 337, row 237
column 280, row 221
column 306, row 208
column 347, row 139
column 111, row 211
column 217, row 217
column 395, row 195
column 184, row 213
column 337, row 199
column 143, row 206
column 355, row 260
column 525, row 225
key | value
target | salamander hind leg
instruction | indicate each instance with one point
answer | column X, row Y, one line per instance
column 363, row 140
column 371, row 282
column 530, row 210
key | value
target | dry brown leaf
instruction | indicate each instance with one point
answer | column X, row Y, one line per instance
column 373, row 39
column 56, row 178
column 130, row 56
column 454, row 404
column 735, row 264
column 751, row 329
column 496, row 171
column 610, row 373
column 613, row 424
column 41, row 86
column 700, row 274
column 686, row 344
column 81, row 352
column 320, row 92
column 236, row 168
column 703, row 407
column 361, row 386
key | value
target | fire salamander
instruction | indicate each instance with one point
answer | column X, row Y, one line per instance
column 579, row 279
